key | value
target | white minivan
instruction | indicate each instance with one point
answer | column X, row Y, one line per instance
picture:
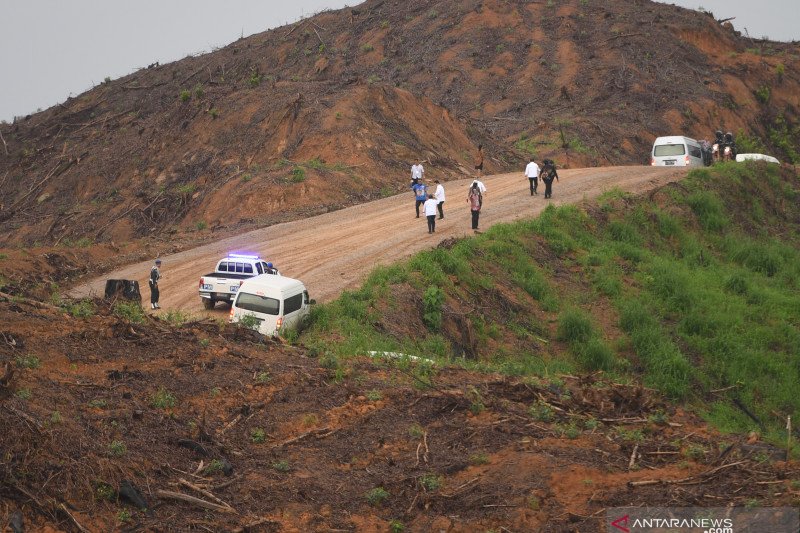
column 676, row 151
column 276, row 303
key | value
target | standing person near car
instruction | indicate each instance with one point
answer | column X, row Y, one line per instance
column 420, row 194
column 475, row 200
column 439, row 195
column 417, row 172
column 155, row 277
column 430, row 213
column 532, row 173
column 548, row 175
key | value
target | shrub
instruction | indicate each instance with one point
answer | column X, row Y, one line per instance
column 298, row 175
column 27, row 361
column 430, row 482
column 255, row 80
column 81, row 309
column 214, row 112
column 198, row 91
column 366, row 48
column 201, row 225
column 258, row 436
column 374, row 395
column 432, row 300
column 396, row 526
column 130, row 311
column 282, row 466
column 185, row 95
column 762, row 94
column 163, row 399
column 117, row 448
column 574, row 326
column 248, row 322
column 376, row 496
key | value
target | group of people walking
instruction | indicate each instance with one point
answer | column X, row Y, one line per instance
column 433, row 203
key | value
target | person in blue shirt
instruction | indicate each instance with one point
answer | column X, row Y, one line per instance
column 420, row 193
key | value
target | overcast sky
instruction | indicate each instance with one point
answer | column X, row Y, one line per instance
column 50, row 49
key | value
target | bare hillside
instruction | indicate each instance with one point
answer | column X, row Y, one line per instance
column 332, row 110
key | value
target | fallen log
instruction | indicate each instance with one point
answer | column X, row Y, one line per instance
column 179, row 496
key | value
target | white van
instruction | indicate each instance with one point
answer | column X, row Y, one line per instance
column 276, row 303
column 676, row 151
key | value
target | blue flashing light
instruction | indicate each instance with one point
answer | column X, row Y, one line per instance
column 242, row 256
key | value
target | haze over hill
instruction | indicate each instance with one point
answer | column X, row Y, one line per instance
column 332, row 110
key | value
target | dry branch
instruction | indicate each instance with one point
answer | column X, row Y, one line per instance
column 5, row 146
column 204, row 492
column 74, row 520
column 170, row 495
column 703, row 476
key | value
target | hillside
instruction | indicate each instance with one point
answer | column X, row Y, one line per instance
column 569, row 362
column 332, row 110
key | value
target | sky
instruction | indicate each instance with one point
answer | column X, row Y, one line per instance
column 51, row 49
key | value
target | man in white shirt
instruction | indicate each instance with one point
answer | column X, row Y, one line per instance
column 439, row 195
column 532, row 173
column 417, row 172
column 430, row 212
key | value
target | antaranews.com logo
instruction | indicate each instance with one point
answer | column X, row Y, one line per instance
column 702, row 520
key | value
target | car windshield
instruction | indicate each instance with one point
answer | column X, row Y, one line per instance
column 258, row 304
column 668, row 149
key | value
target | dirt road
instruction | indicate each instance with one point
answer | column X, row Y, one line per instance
column 337, row 250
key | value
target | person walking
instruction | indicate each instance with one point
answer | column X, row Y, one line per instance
column 479, row 160
column 475, row 200
column 481, row 188
column 548, row 175
column 532, row 173
column 417, row 172
column 420, row 194
column 439, row 195
column 430, row 213
column 155, row 277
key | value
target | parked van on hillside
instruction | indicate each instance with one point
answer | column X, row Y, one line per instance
column 276, row 303
column 676, row 151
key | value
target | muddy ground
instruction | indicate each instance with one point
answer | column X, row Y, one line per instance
column 99, row 411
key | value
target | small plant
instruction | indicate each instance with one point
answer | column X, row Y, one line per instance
column 117, row 448
column 214, row 112
column 762, row 94
column 780, row 70
column 376, row 496
column 213, row 467
column 215, row 392
column 163, row 399
column 591, row 423
column 104, row 491
column 24, row 394
column 107, row 79
column 374, row 395
column 479, row 459
column 541, row 412
column 255, row 80
column 204, row 343
column 175, row 317
column 338, row 117
column 56, row 418
column 247, row 177
column 258, row 436
column 186, row 95
column 81, row 309
column 310, row 420
column 262, row 377
column 198, row 91
column 201, row 225
column 416, row 431
column 396, row 526
column 124, row 516
column 27, row 361
column 659, row 417
column 366, row 48
column 130, row 311
column 433, row 300
column 572, row 432
column 98, row 404
column 694, row 452
column 282, row 466
column 248, row 322
column 298, row 175
column 430, row 482
column 432, row 14
column 476, row 406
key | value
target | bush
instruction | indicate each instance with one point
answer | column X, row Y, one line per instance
column 163, row 399
column 298, row 175
column 574, row 326
column 81, row 309
column 376, row 496
column 185, row 95
column 762, row 94
column 130, row 311
column 432, row 300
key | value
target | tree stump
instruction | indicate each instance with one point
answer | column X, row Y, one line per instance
column 123, row 288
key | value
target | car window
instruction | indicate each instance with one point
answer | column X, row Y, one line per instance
column 694, row 151
column 668, row 149
column 239, row 267
column 248, row 269
column 259, row 269
column 257, row 304
column 223, row 267
column 292, row 304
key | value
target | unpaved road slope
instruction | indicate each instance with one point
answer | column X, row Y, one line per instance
column 337, row 250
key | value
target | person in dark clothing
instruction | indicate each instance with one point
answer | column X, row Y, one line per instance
column 155, row 277
column 548, row 175
column 479, row 160
column 475, row 203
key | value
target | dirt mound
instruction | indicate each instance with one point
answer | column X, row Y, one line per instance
column 111, row 422
column 332, row 110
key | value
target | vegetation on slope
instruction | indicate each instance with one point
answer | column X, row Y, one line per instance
column 693, row 290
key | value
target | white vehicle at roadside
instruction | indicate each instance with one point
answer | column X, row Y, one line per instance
column 676, row 151
column 273, row 303
column 231, row 271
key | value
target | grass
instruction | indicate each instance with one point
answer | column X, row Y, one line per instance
column 376, row 496
column 117, row 448
column 27, row 361
column 163, row 399
column 696, row 293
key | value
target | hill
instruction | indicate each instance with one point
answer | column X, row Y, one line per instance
column 332, row 110
column 566, row 365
